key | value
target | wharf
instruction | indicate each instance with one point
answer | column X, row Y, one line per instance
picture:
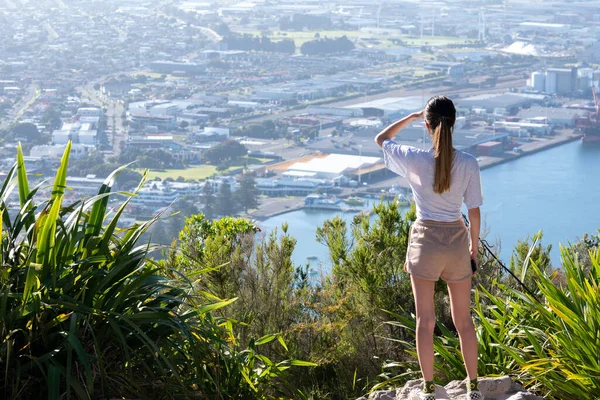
column 274, row 206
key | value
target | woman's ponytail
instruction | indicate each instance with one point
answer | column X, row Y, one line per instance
column 443, row 154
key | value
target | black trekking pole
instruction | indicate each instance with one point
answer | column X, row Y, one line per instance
column 487, row 248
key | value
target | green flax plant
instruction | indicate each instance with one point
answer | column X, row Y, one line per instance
column 84, row 314
column 550, row 343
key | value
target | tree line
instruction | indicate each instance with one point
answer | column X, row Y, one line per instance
column 253, row 43
column 327, row 46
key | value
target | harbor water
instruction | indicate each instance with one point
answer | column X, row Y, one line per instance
column 555, row 190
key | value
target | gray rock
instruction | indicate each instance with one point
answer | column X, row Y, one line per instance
column 502, row 388
column 404, row 392
column 524, row 396
column 440, row 393
column 494, row 387
column 456, row 388
column 362, row 398
column 383, row 395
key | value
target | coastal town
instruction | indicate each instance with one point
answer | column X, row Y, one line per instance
column 259, row 108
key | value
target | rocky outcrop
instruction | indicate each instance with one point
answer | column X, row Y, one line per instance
column 502, row 388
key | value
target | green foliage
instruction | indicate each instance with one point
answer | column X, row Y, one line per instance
column 247, row 193
column 524, row 253
column 85, row 315
column 554, row 343
column 373, row 262
column 225, row 151
column 208, row 201
column 30, row 133
column 551, row 345
column 225, row 202
column 327, row 46
column 345, row 323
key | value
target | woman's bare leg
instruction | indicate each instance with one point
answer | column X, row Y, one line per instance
column 460, row 300
column 423, row 291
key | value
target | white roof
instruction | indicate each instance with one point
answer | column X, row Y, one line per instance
column 335, row 163
column 393, row 103
column 299, row 174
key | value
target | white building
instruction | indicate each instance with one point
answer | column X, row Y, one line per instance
column 55, row 152
column 60, row 136
column 222, row 133
column 292, row 187
column 88, row 185
column 89, row 112
column 163, row 194
column 218, row 181
column 333, row 166
column 88, row 137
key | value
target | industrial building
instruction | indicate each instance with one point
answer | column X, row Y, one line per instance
column 391, row 107
column 511, row 102
column 334, row 166
column 553, row 116
column 559, row 81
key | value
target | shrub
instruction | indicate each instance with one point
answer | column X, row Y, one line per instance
column 548, row 342
column 84, row 314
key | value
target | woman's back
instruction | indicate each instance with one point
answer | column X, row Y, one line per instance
column 418, row 167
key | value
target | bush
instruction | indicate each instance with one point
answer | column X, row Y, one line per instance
column 84, row 314
column 548, row 342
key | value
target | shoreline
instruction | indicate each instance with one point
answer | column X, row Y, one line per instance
column 529, row 149
column 295, row 204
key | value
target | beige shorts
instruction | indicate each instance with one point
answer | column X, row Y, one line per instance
column 439, row 249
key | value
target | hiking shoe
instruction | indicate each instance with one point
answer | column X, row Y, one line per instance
column 475, row 395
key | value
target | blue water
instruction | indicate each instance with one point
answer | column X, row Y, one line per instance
column 556, row 191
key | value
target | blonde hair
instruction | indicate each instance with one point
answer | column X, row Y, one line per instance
column 440, row 115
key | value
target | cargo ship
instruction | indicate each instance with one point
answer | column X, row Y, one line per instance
column 590, row 126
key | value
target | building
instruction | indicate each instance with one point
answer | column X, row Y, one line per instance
column 163, row 194
column 538, row 81
column 334, row 166
column 490, row 149
column 88, row 185
column 60, row 136
column 211, row 134
column 114, row 88
column 337, row 111
column 55, row 152
column 511, row 102
column 523, row 128
column 391, row 107
column 141, row 120
column 553, row 116
column 89, row 112
column 169, row 67
column 218, row 181
column 292, row 187
column 151, row 142
column 563, row 80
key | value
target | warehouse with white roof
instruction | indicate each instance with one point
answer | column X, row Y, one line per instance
column 334, row 166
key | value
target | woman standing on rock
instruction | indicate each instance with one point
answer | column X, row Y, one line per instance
column 439, row 244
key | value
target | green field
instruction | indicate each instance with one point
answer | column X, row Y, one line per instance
column 201, row 171
column 362, row 37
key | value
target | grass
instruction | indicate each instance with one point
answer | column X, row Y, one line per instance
column 386, row 40
column 200, row 171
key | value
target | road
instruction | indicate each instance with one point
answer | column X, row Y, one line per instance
column 33, row 93
column 114, row 113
